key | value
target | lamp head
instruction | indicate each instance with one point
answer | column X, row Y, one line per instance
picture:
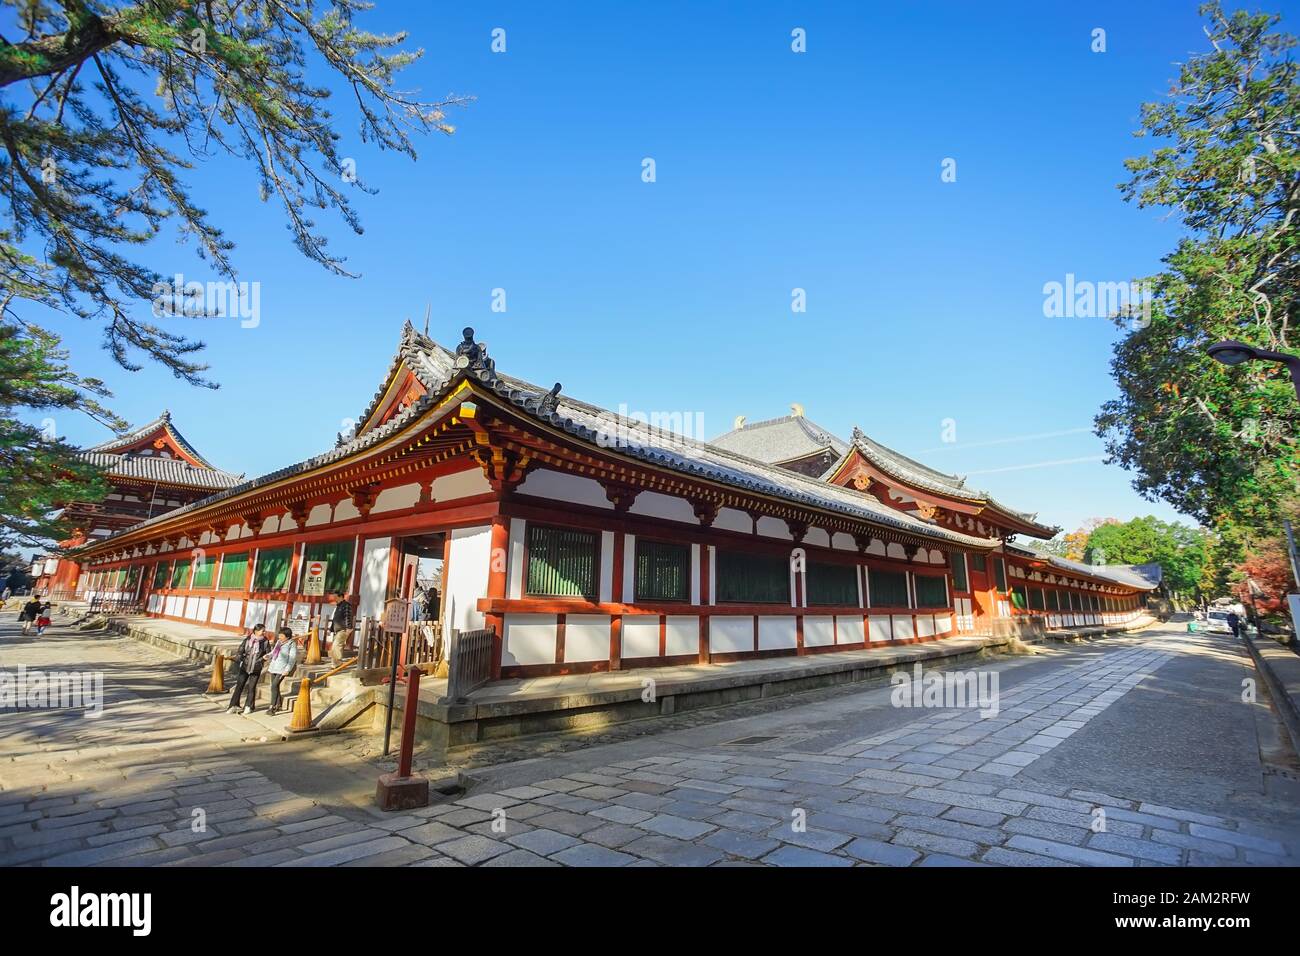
column 1232, row 352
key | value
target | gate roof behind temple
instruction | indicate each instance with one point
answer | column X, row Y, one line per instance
column 157, row 452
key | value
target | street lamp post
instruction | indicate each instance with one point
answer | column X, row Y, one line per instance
column 1232, row 352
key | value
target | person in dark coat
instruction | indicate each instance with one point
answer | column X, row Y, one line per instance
column 341, row 624
column 1234, row 623
column 249, row 660
column 30, row 612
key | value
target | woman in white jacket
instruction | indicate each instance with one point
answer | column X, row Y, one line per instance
column 283, row 659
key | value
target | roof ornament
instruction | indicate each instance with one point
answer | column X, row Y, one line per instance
column 546, row 404
column 797, row 409
column 857, row 435
column 166, row 416
column 472, row 358
column 739, row 423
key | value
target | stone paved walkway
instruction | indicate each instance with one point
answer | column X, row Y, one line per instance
column 159, row 779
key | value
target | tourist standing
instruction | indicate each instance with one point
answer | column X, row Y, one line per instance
column 249, row 659
column 341, row 624
column 31, row 611
column 284, row 658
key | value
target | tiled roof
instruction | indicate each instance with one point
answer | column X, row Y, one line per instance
column 171, row 471
column 779, row 440
column 1144, row 577
column 438, row 369
column 163, row 421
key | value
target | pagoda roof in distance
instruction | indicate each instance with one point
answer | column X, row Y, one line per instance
column 130, row 457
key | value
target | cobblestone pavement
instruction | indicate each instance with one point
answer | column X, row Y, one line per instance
column 1069, row 771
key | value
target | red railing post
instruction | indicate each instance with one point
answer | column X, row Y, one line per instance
column 408, row 721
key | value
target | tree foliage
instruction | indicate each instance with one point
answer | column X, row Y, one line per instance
column 1217, row 443
column 105, row 109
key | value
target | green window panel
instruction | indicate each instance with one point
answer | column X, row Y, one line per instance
column 561, row 562
column 887, row 588
column 204, row 571
column 957, row 561
column 663, row 571
column 1000, row 574
column 272, row 572
column 161, row 574
column 832, row 584
column 979, row 562
column 180, row 574
column 1019, row 600
column 133, row 576
column 1053, row 602
column 1036, row 602
column 234, row 571
column 752, row 578
column 931, row 591
column 338, row 573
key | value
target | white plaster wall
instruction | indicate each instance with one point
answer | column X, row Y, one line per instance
column 562, row 486
column 777, row 632
column 774, row 528
column 375, row 553
column 876, row 547
column 731, row 519
column 895, row 550
column 468, row 563
column 695, row 574
column 843, row 542
column 817, row 537
column 586, row 637
column 346, row 510
column 319, row 515
column 396, row 499
column 515, row 567
column 640, row 637
column 818, row 631
column 879, row 628
column 903, row 629
column 925, row 625
column 605, row 587
column 681, row 635
column 730, row 634
column 462, row 484
column 629, row 569
column 848, row 630
column 528, row 639
column 652, row 504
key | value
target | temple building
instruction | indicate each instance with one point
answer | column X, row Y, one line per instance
column 586, row 542
column 150, row 471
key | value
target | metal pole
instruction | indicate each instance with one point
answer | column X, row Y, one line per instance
column 392, row 693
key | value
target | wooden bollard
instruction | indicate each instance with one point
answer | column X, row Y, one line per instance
column 217, row 685
column 302, row 708
column 403, row 790
column 313, row 648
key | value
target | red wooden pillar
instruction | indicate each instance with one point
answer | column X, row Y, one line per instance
column 498, row 559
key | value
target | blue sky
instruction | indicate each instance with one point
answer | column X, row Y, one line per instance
column 775, row 170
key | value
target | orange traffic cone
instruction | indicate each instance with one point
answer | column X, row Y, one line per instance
column 217, row 685
column 302, row 708
column 313, row 649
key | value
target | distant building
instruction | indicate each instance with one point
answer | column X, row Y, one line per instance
column 151, row 470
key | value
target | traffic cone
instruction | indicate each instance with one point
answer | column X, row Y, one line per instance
column 313, row 648
column 302, row 708
column 217, row 685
